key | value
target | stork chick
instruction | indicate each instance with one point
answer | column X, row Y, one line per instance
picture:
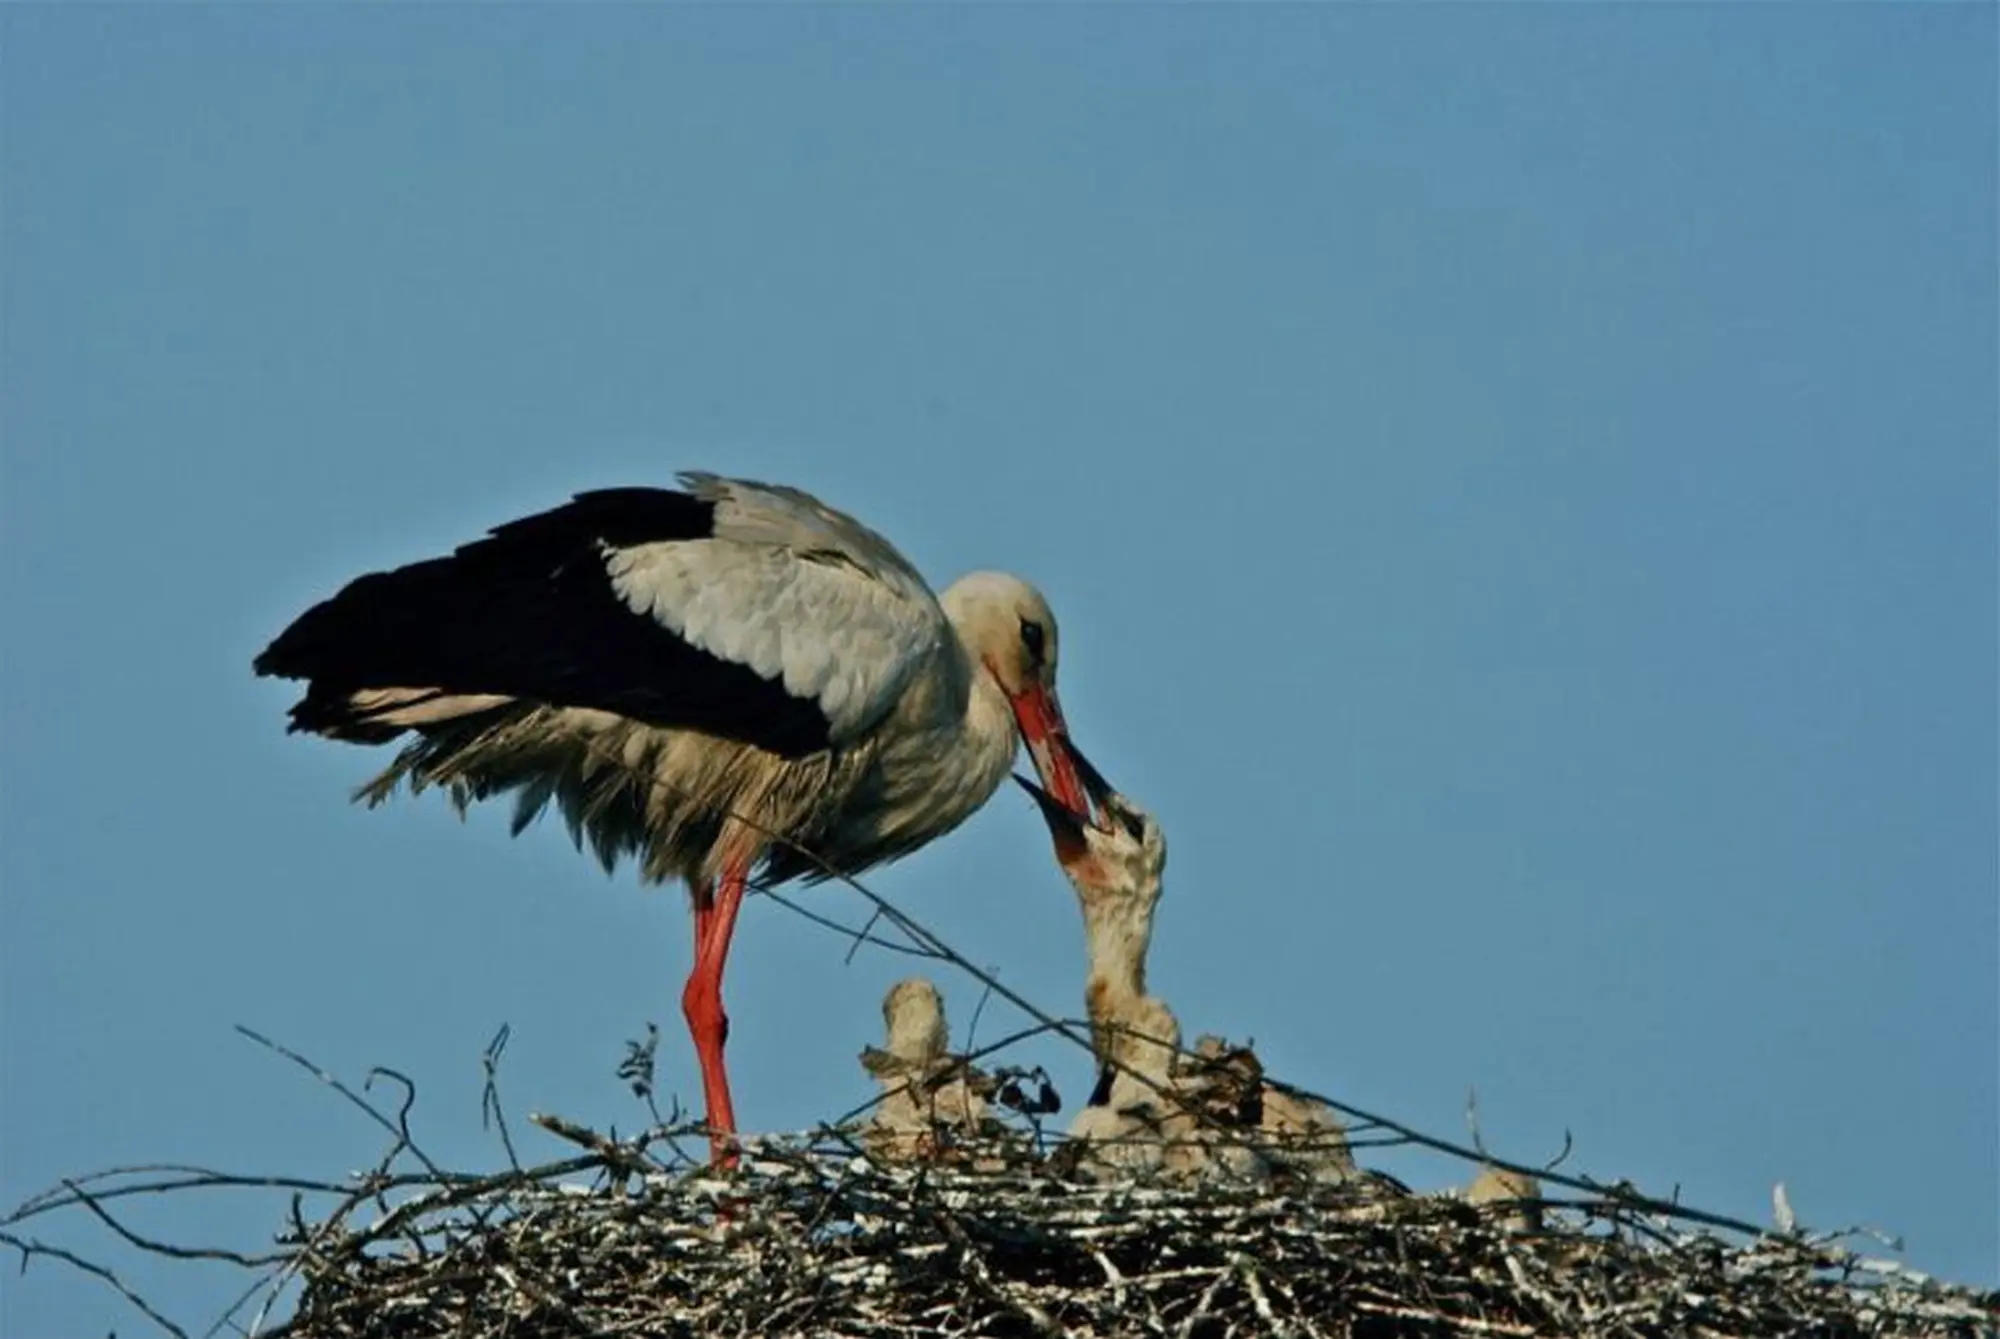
column 1296, row 1136
column 928, row 1095
column 1207, row 1112
column 1116, row 871
column 1143, row 1118
column 1514, row 1196
column 1126, row 1126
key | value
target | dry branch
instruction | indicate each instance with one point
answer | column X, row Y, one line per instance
column 812, row 1238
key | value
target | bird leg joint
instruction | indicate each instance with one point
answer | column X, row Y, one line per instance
column 701, row 1005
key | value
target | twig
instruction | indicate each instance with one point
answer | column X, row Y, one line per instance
column 104, row 1216
column 28, row 1247
column 491, row 1113
column 860, row 936
column 397, row 1127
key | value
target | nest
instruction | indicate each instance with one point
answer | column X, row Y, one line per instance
column 810, row 1236
column 1195, row 1197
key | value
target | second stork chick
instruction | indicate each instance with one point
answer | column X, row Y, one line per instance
column 930, row 1098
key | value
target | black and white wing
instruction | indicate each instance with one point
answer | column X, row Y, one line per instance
column 739, row 609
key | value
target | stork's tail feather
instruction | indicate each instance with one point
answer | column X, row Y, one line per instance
column 332, row 713
column 436, row 758
column 386, row 627
column 520, row 747
column 395, row 651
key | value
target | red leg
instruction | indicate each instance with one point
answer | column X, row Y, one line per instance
column 702, row 897
column 701, row 1004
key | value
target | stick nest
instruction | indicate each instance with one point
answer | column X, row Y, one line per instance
column 811, row 1237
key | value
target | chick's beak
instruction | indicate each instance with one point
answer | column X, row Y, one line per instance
column 1067, row 823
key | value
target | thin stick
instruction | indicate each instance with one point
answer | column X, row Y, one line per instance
column 397, row 1128
column 28, row 1247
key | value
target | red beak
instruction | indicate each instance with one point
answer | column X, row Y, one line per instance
column 1040, row 717
column 1066, row 825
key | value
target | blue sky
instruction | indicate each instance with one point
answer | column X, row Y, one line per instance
column 1518, row 484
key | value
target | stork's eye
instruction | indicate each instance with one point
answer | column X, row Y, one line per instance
column 1032, row 638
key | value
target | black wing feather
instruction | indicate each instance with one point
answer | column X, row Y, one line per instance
column 529, row 611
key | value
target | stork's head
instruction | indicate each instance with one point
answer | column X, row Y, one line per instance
column 1007, row 627
column 913, row 1014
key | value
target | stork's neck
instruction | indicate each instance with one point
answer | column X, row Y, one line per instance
column 989, row 716
column 1116, row 942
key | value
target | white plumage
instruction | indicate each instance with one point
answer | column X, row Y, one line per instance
column 796, row 592
column 715, row 680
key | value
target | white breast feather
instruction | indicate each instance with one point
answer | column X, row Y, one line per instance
column 831, row 634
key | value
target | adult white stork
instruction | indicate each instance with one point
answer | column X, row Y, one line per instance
column 729, row 680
